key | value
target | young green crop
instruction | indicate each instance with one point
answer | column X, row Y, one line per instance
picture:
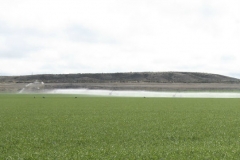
column 65, row 127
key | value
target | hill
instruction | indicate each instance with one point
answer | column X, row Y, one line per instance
column 136, row 77
column 149, row 81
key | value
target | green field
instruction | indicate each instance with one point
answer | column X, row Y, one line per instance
column 64, row 127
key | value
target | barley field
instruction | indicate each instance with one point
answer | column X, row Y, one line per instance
column 71, row 127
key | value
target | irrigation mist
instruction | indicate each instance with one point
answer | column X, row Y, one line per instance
column 117, row 93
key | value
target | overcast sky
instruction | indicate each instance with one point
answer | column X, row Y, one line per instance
column 90, row 36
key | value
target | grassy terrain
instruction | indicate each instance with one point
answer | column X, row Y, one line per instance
column 64, row 127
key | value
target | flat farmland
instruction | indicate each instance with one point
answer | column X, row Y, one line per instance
column 65, row 127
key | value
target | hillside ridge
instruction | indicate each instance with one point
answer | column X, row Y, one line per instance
column 128, row 77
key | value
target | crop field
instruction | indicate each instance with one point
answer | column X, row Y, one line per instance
column 65, row 127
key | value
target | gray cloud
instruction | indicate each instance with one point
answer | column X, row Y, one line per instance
column 227, row 58
column 207, row 11
column 79, row 33
column 67, row 68
column 18, row 42
column 236, row 75
column 82, row 34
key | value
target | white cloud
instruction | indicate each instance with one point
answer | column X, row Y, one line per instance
column 113, row 36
